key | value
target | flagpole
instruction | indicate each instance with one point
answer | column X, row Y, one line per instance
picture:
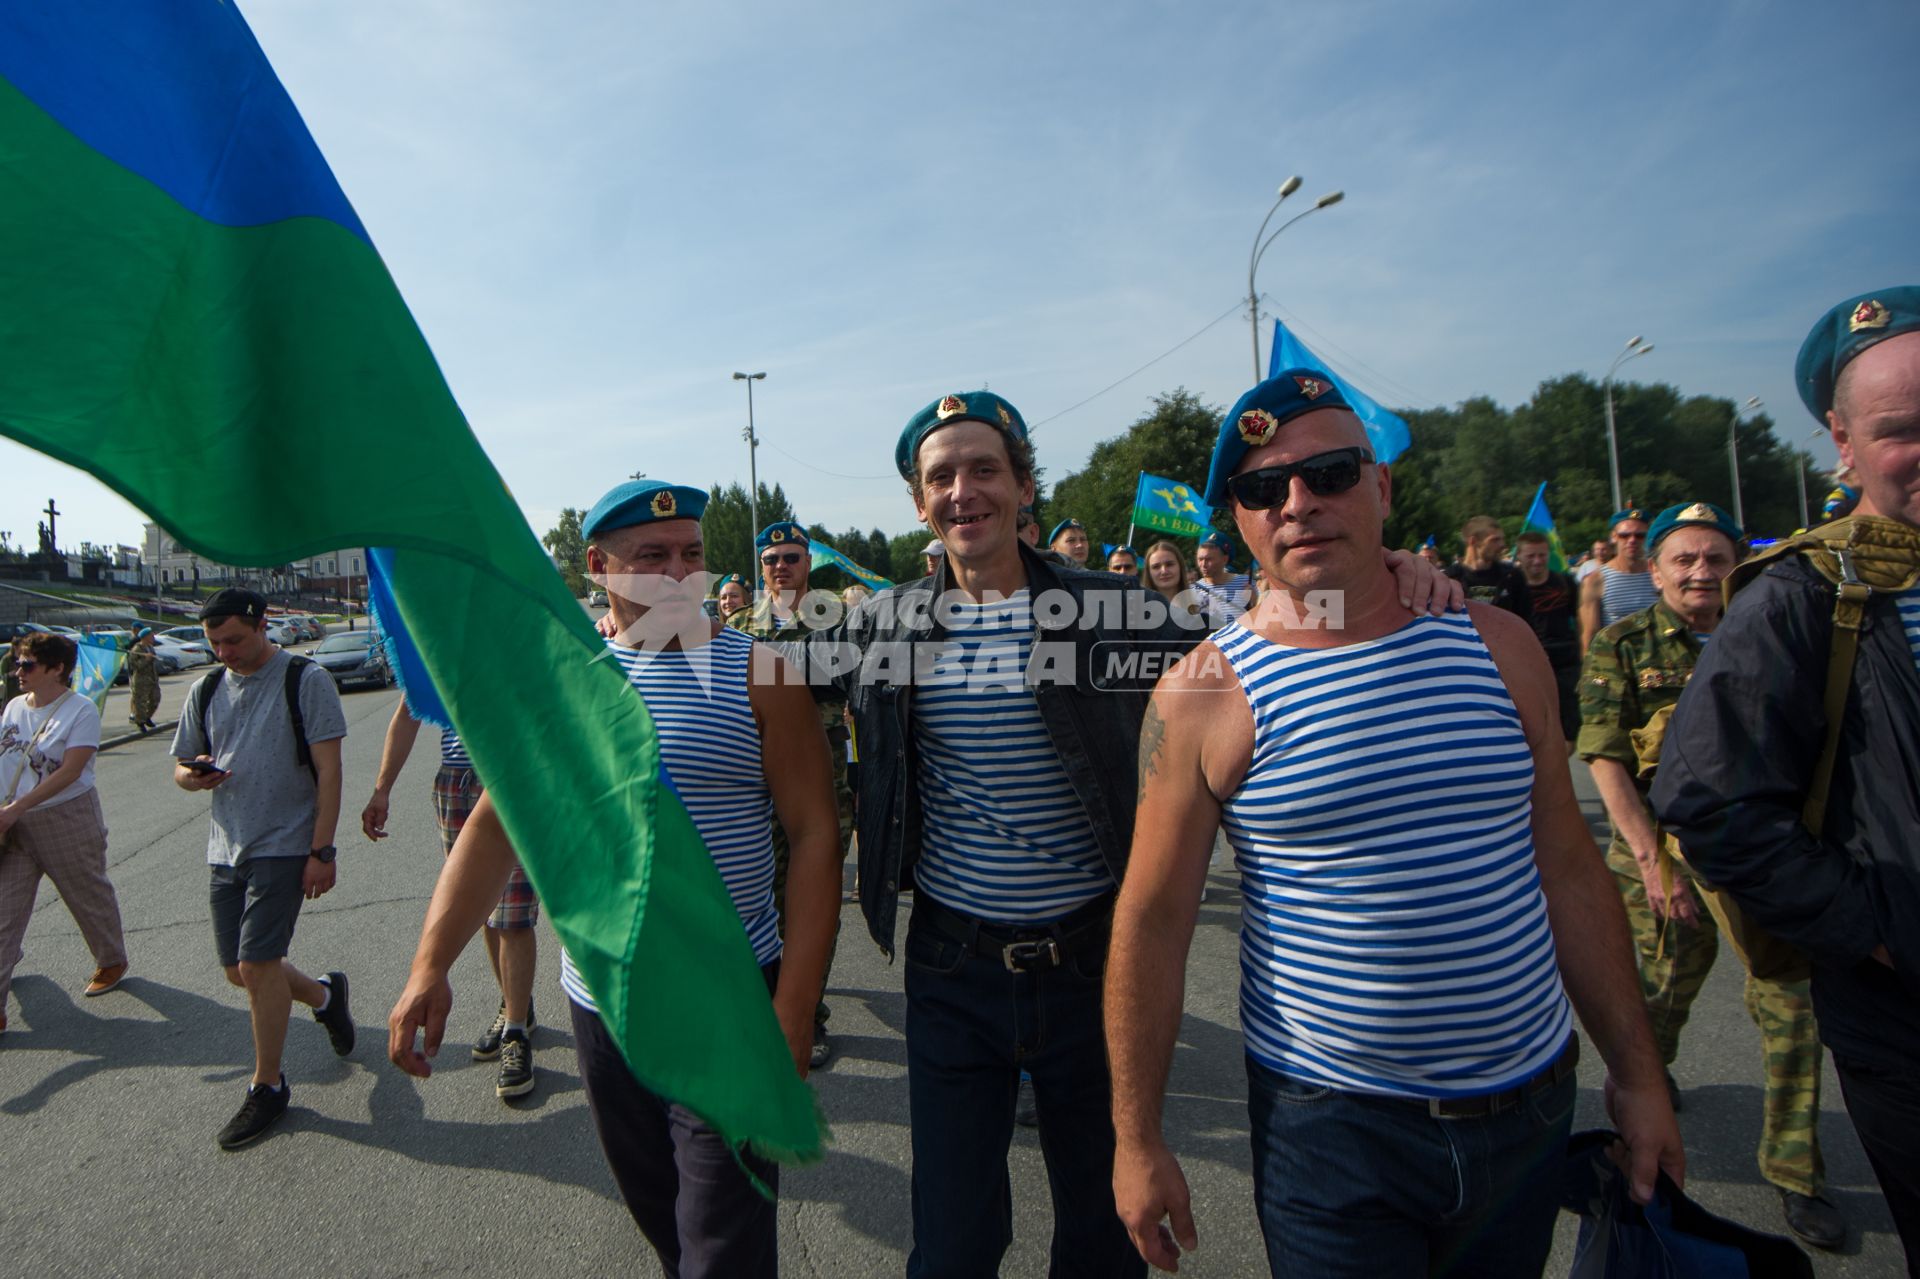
column 1129, row 532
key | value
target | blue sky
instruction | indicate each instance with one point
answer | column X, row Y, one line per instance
column 599, row 211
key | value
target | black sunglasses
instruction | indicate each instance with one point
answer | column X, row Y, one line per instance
column 788, row 557
column 1325, row 474
column 26, row 664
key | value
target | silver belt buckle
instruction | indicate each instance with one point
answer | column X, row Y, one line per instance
column 1018, row 954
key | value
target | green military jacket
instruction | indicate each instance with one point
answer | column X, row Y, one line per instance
column 1633, row 668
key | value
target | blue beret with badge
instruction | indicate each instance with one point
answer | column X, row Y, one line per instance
column 968, row 406
column 1690, row 515
column 1843, row 333
column 781, row 533
column 1631, row 513
column 1258, row 417
column 642, row 502
column 1062, row 527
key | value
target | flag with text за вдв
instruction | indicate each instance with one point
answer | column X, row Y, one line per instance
column 195, row 315
column 1171, row 507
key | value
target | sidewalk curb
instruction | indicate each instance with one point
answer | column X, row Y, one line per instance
column 124, row 738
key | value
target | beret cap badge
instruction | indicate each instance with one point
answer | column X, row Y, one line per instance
column 1006, row 418
column 1698, row 511
column 1257, row 426
column 1869, row 315
column 662, row 504
column 1311, row 387
column 777, row 535
column 949, row 406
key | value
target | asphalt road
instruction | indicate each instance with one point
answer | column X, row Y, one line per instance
column 108, row 1106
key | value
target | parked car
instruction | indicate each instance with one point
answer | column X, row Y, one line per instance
column 182, row 653
column 352, row 657
column 282, row 632
column 597, row 600
column 307, row 626
column 11, row 631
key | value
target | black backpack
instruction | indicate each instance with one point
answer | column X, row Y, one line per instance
column 296, row 667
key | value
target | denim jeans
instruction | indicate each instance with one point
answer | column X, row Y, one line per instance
column 972, row 1027
column 1348, row 1184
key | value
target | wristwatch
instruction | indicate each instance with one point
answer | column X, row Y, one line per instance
column 325, row 855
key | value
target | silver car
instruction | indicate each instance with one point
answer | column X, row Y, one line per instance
column 352, row 657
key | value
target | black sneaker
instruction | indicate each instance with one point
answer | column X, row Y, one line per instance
column 516, row 1065
column 261, row 1110
column 487, row 1047
column 338, row 1018
column 822, row 1051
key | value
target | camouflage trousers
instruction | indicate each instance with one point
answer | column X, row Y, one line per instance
column 783, row 853
column 1674, row 961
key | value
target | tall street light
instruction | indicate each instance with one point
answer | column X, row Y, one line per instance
column 1635, row 346
column 1733, row 455
column 1287, row 188
column 753, row 472
column 1801, row 461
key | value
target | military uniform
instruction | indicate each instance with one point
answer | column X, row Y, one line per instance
column 761, row 622
column 1634, row 668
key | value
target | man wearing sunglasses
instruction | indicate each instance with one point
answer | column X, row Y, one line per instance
column 1424, row 908
column 1623, row 585
column 786, row 557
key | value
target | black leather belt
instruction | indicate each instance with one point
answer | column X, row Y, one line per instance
column 1495, row 1102
column 1022, row 949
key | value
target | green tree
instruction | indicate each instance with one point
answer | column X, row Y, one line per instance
column 1174, row 439
column 728, row 528
column 569, row 550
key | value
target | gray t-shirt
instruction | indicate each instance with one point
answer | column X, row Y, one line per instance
column 267, row 808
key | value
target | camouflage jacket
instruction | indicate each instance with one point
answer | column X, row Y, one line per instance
column 1633, row 668
column 758, row 620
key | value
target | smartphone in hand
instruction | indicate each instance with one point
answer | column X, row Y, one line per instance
column 202, row 766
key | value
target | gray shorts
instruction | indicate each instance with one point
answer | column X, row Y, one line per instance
column 254, row 906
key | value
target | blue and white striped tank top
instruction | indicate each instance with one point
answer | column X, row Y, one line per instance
column 1395, row 937
column 452, row 753
column 710, row 751
column 1006, row 838
column 1622, row 594
column 1909, row 604
column 1227, row 601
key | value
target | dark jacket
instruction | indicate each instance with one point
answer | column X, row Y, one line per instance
column 1734, row 772
column 1092, row 706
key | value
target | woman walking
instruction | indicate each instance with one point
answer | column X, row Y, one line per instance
column 145, row 679
column 50, row 819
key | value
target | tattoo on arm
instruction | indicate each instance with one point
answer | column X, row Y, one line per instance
column 1153, row 734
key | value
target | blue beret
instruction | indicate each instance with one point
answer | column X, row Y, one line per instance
column 1220, row 540
column 642, row 502
column 1062, row 527
column 731, row 577
column 1843, row 333
column 1631, row 513
column 973, row 406
column 1690, row 515
column 779, row 534
column 1260, row 414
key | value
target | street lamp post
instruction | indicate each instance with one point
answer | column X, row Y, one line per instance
column 753, row 472
column 1733, row 456
column 1260, row 244
column 1801, row 461
column 1635, row 346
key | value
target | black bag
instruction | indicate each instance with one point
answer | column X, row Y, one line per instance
column 1670, row 1238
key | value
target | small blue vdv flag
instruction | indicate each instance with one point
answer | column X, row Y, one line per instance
column 1168, row 506
column 1387, row 431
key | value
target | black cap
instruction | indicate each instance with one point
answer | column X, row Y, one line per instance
column 233, row 602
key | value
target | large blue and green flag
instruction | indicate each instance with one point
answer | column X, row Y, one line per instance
column 1539, row 519
column 825, row 556
column 189, row 303
column 1168, row 506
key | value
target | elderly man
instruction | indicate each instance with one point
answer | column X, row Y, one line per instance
column 997, row 706
column 1791, row 770
column 1636, row 667
column 1622, row 585
column 719, row 702
column 1423, row 902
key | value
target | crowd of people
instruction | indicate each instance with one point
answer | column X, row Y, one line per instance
column 1424, row 912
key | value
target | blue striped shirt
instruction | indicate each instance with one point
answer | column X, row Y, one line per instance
column 452, row 753
column 1226, row 601
column 1395, row 937
column 1006, row 838
column 710, row 752
column 1909, row 604
column 1622, row 594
